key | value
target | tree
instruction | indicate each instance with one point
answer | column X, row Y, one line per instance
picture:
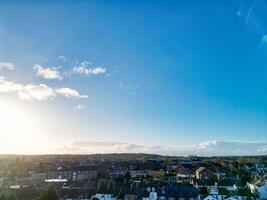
column 2, row 197
column 244, row 192
column 223, row 191
column 11, row 197
column 127, row 176
column 244, row 179
column 203, row 191
column 49, row 194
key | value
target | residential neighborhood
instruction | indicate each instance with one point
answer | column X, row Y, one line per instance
column 134, row 176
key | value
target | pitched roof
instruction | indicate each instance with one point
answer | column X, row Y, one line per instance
column 200, row 169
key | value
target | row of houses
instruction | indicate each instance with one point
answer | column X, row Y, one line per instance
column 74, row 173
column 185, row 192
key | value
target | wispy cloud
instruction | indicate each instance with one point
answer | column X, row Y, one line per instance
column 264, row 38
column 80, row 107
column 89, row 71
column 249, row 13
column 62, row 58
column 36, row 92
column 7, row 65
column 209, row 148
column 47, row 73
column 86, row 68
column 239, row 13
column 262, row 43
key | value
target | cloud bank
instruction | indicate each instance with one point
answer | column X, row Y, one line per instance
column 210, row 148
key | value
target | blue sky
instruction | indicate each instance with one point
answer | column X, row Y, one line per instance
column 171, row 73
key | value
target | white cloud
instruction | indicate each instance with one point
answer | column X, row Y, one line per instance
column 62, row 58
column 84, row 69
column 47, row 73
column 262, row 149
column 6, row 86
column 68, row 92
column 209, row 148
column 80, row 107
column 7, row 65
column 30, row 92
column 39, row 92
column 89, row 71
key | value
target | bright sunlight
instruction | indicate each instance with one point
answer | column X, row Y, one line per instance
column 19, row 129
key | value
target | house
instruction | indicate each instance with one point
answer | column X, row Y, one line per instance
column 224, row 197
column 258, row 186
column 261, row 168
column 178, row 192
column 37, row 176
column 214, row 195
column 73, row 172
column 228, row 184
column 152, row 194
column 84, row 172
column 204, row 173
column 136, row 173
column 169, row 178
column 246, row 168
column 103, row 197
column 184, row 173
column 208, row 183
column 116, row 172
column 2, row 180
column 130, row 197
column 236, row 198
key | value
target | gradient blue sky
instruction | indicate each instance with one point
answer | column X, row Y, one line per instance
column 177, row 72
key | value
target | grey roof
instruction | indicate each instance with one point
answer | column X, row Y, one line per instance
column 176, row 191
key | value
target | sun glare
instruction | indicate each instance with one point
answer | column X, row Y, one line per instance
column 18, row 129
